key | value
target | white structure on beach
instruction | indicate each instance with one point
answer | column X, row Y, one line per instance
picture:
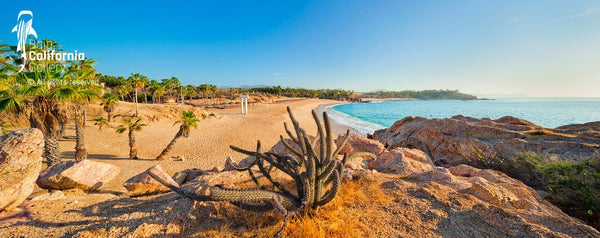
column 244, row 104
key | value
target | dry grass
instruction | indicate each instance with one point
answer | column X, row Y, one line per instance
column 343, row 217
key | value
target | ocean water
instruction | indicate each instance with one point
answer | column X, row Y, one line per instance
column 546, row 112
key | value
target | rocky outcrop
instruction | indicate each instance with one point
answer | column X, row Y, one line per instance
column 143, row 183
column 449, row 141
column 402, row 161
column 20, row 165
column 86, row 175
column 468, row 202
column 360, row 143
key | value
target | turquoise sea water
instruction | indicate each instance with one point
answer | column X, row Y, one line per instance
column 546, row 112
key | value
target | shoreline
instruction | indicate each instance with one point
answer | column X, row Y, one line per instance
column 336, row 127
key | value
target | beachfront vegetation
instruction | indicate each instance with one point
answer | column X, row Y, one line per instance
column 109, row 103
column 186, row 122
column 100, row 122
column 572, row 186
column 423, row 95
column 131, row 125
column 314, row 168
column 46, row 92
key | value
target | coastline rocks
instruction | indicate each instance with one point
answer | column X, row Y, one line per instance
column 402, row 161
column 450, row 141
column 143, row 183
column 20, row 163
column 86, row 175
column 360, row 143
column 483, row 202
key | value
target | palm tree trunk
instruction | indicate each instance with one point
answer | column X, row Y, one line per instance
column 109, row 115
column 84, row 117
column 132, row 149
column 145, row 97
column 169, row 147
column 136, row 103
column 51, row 149
column 80, row 152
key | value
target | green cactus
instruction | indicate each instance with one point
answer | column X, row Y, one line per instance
column 316, row 171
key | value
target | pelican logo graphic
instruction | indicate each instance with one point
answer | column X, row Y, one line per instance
column 24, row 30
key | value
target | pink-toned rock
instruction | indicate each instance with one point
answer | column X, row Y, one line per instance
column 449, row 141
column 143, row 183
column 20, row 164
column 484, row 203
column 402, row 161
column 86, row 175
column 360, row 143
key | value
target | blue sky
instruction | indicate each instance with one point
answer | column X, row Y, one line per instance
column 540, row 48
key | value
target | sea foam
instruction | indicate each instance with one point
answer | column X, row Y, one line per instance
column 363, row 127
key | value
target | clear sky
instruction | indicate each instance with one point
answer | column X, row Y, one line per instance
column 540, row 48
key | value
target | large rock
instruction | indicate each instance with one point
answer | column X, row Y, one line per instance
column 402, row 161
column 464, row 201
column 360, row 143
column 86, row 175
column 450, row 141
column 143, row 183
column 20, row 165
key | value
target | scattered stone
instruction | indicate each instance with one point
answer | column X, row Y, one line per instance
column 55, row 195
column 228, row 164
column 246, row 162
column 86, row 175
column 217, row 169
column 20, row 164
column 143, row 183
column 180, row 177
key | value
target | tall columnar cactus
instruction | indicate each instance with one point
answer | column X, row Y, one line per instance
column 313, row 165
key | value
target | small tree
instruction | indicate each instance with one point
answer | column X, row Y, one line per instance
column 100, row 122
column 187, row 121
column 109, row 103
column 131, row 126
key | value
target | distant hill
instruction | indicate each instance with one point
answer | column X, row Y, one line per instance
column 423, row 95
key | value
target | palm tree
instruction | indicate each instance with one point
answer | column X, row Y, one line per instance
column 100, row 122
column 131, row 126
column 138, row 81
column 187, row 121
column 79, row 96
column 109, row 104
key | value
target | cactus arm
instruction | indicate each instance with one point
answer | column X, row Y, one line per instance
column 268, row 176
column 298, row 130
column 179, row 190
column 328, row 170
column 254, row 207
column 328, row 137
column 341, row 146
column 335, row 188
column 289, row 133
column 321, row 136
column 289, row 147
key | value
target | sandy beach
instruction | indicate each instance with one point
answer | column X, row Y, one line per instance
column 205, row 148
